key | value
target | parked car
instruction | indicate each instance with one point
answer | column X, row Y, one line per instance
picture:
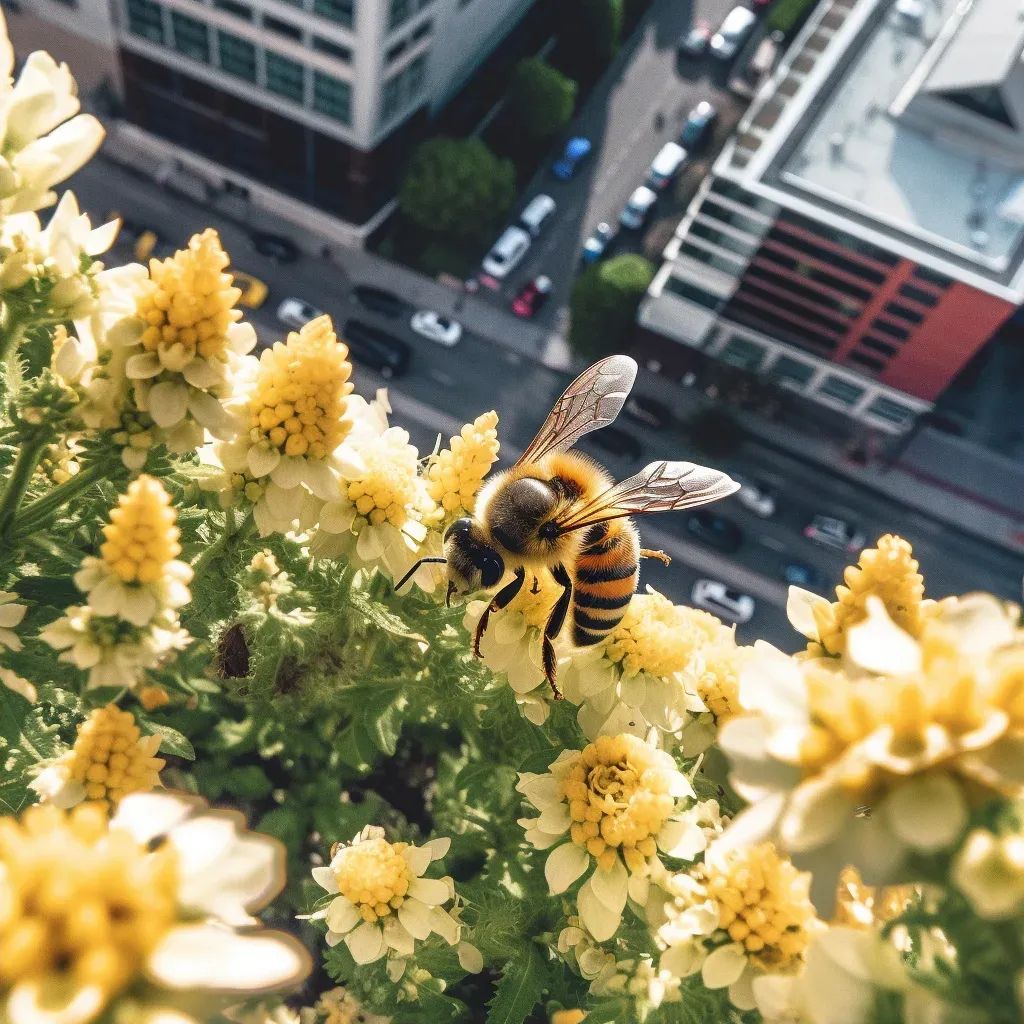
column 254, row 291
column 616, row 442
column 738, row 25
column 638, row 209
column 800, row 574
column 760, row 5
column 835, row 533
column 648, row 411
column 284, row 250
column 755, row 496
column 698, row 125
column 376, row 349
column 576, row 151
column 537, row 213
column 532, row 296
column 437, row 328
column 695, row 42
column 595, row 245
column 379, row 300
column 717, row 531
column 504, row 256
column 296, row 313
column 665, row 166
column 718, row 599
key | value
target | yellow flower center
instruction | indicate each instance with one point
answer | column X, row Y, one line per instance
column 659, row 637
column 389, row 491
column 188, row 304
column 457, row 473
column 718, row 679
column 111, row 758
column 78, row 902
column 141, row 537
column 298, row 406
column 339, row 1006
column 535, row 599
column 763, row 903
column 374, row 876
column 618, row 799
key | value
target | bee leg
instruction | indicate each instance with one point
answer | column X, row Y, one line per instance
column 501, row 600
column 556, row 620
column 659, row 555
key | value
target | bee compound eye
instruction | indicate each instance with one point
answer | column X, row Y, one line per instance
column 491, row 567
column 460, row 527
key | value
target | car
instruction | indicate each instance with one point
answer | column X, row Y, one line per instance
column 595, row 245
column 379, row 300
column 435, row 327
column 695, row 42
column 376, row 349
column 277, row 247
column 537, row 213
column 648, row 411
column 832, row 532
column 665, row 166
column 504, row 256
column 296, row 313
column 532, row 296
column 616, row 442
column 718, row 599
column 575, row 152
column 717, row 531
column 698, row 125
column 800, row 574
column 760, row 5
column 254, row 291
column 738, row 25
column 638, row 209
column 755, row 496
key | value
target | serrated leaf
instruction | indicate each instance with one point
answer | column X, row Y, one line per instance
column 608, row 1012
column 519, row 990
column 55, row 591
column 171, row 741
column 25, row 740
column 356, row 747
column 380, row 617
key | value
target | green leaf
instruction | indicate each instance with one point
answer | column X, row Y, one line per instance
column 284, row 824
column 519, row 990
column 26, row 738
column 248, row 782
column 171, row 741
column 380, row 617
column 55, row 591
column 608, row 1012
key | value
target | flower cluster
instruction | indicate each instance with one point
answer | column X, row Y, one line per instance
column 457, row 472
column 339, row 1006
column 134, row 588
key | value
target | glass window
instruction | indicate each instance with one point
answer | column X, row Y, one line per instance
column 903, row 312
column 145, row 19
column 401, row 10
column 737, row 220
column 333, row 97
column 285, row 77
column 414, row 75
column 870, row 362
column 422, row 30
column 333, row 49
column 891, row 329
column 282, row 28
column 791, row 371
column 391, row 98
column 191, row 37
column 396, row 51
column 237, row 56
column 341, row 11
column 742, row 352
column 827, row 256
column 684, row 289
column 842, row 390
column 879, row 346
column 812, row 273
column 919, row 295
column 892, row 412
column 238, row 10
column 775, row 301
column 924, row 274
column 727, row 264
column 847, row 308
column 739, row 194
column 722, row 238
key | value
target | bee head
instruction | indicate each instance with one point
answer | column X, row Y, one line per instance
column 472, row 564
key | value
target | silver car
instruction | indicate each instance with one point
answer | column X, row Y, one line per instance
column 738, row 24
column 295, row 313
column 637, row 210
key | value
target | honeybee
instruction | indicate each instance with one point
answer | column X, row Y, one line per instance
column 559, row 511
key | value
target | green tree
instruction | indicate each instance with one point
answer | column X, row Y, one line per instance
column 604, row 303
column 457, row 188
column 540, row 98
column 590, row 33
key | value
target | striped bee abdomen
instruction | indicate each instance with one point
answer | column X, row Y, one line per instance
column 606, row 576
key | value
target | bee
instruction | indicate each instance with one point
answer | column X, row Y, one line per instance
column 559, row 511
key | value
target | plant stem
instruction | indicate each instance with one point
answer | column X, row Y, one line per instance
column 227, row 541
column 28, row 458
column 10, row 336
column 36, row 513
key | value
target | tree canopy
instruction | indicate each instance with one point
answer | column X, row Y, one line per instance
column 540, row 98
column 604, row 303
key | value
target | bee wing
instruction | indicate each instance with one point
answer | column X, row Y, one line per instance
column 660, row 487
column 590, row 402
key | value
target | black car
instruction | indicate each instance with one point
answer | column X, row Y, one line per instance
column 616, row 442
column 376, row 349
column 379, row 300
column 714, row 530
column 648, row 411
column 284, row 250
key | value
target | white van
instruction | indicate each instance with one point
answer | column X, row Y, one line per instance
column 738, row 24
column 506, row 252
column 536, row 214
column 666, row 164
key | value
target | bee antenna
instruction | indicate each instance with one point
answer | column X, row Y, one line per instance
column 412, row 572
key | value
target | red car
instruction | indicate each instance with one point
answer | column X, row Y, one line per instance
column 532, row 296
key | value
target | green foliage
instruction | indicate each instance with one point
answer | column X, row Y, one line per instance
column 605, row 298
column 456, row 188
column 785, row 15
column 520, row 988
column 540, row 98
column 591, row 32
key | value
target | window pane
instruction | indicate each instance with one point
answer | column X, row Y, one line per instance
column 238, row 10
column 686, row 290
column 332, row 97
column 391, row 98
column 722, row 238
column 341, row 11
column 893, row 412
column 842, row 390
column 144, row 19
column 191, row 37
column 903, row 312
column 333, row 49
column 741, row 352
column 282, row 28
column 792, row 371
column 919, row 295
column 414, row 75
column 712, row 259
column 285, row 77
column 401, row 10
column 237, row 56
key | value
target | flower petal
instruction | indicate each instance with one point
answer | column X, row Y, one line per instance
column 262, row 460
column 366, row 943
column 342, row 916
column 724, row 966
column 432, row 891
column 396, row 935
column 438, row 847
column 143, row 366
column 927, row 813
column 599, row 920
column 326, row 879
column 610, row 886
column 168, row 403
column 470, row 958
column 817, row 811
column 879, row 645
column 415, row 916
column 418, row 858
column 564, row 865
column 289, row 472
column 800, row 605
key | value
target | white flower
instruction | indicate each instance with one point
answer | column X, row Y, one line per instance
column 383, row 902
column 18, row 685
column 11, row 615
column 578, row 947
column 989, row 870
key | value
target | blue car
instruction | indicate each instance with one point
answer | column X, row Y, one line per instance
column 697, row 126
column 799, row 574
column 595, row 245
column 576, row 151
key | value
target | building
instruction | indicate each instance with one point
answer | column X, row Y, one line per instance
column 861, row 237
